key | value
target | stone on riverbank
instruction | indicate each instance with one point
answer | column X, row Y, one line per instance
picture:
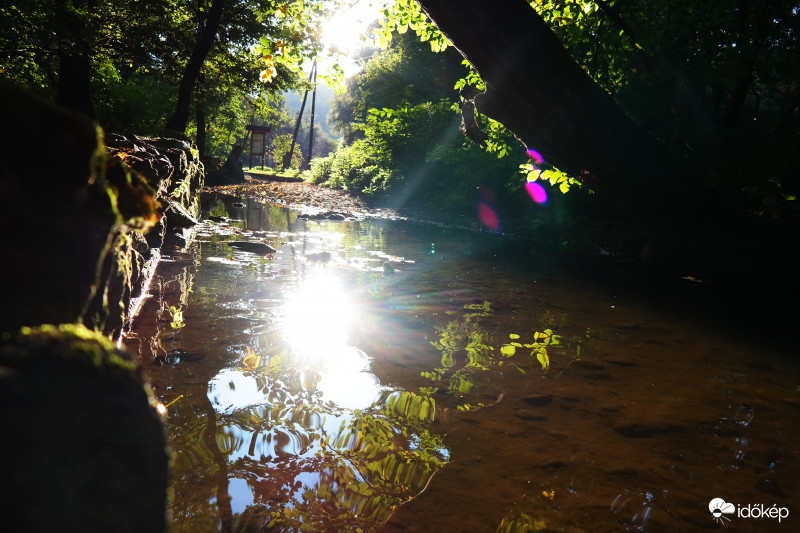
column 84, row 445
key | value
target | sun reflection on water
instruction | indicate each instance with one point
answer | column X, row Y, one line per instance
column 320, row 317
column 297, row 433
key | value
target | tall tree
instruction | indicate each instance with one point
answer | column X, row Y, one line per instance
column 208, row 27
column 538, row 91
column 569, row 76
column 74, row 57
column 55, row 46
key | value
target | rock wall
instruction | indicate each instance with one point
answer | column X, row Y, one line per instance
column 170, row 169
column 86, row 215
column 86, row 218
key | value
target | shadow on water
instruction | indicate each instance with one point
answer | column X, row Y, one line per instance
column 384, row 375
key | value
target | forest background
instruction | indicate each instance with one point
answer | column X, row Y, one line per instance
column 716, row 84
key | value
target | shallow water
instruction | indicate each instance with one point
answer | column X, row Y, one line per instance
column 316, row 392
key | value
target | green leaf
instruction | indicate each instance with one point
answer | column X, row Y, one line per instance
column 513, row 336
column 508, row 350
column 543, row 359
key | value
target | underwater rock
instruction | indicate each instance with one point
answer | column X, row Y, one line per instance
column 327, row 215
column 538, row 400
column 254, row 247
column 769, row 486
column 583, row 364
column 529, row 416
column 642, row 426
column 84, row 445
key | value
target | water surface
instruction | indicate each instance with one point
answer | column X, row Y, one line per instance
column 384, row 375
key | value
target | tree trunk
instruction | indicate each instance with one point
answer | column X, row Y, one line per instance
column 287, row 158
column 178, row 121
column 74, row 77
column 538, row 91
column 74, row 62
column 200, row 119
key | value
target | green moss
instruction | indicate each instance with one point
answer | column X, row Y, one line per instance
column 85, row 434
column 77, row 343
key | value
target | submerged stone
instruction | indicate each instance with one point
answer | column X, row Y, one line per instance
column 254, row 247
column 642, row 426
column 538, row 400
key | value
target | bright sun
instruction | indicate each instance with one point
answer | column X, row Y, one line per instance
column 344, row 30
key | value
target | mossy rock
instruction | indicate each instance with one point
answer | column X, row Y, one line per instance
column 57, row 216
column 84, row 446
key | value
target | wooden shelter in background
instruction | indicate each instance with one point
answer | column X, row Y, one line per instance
column 258, row 144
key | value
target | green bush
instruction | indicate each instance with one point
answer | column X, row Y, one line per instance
column 279, row 147
column 357, row 168
column 320, row 169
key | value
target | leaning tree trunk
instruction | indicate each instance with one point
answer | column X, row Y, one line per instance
column 539, row 92
column 178, row 121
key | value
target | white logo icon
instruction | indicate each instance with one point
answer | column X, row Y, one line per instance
column 719, row 508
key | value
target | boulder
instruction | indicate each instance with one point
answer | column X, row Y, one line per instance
column 84, row 444
column 57, row 218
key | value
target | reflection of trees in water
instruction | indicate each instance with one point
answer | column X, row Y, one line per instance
column 467, row 354
column 311, row 465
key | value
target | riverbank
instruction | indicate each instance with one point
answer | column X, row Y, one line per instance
column 304, row 196
column 299, row 195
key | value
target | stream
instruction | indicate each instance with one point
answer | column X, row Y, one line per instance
column 386, row 375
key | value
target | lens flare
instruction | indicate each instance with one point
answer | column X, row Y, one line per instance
column 536, row 192
column 535, row 156
column 488, row 217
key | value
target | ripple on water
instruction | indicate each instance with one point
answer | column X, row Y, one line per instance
column 312, row 414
